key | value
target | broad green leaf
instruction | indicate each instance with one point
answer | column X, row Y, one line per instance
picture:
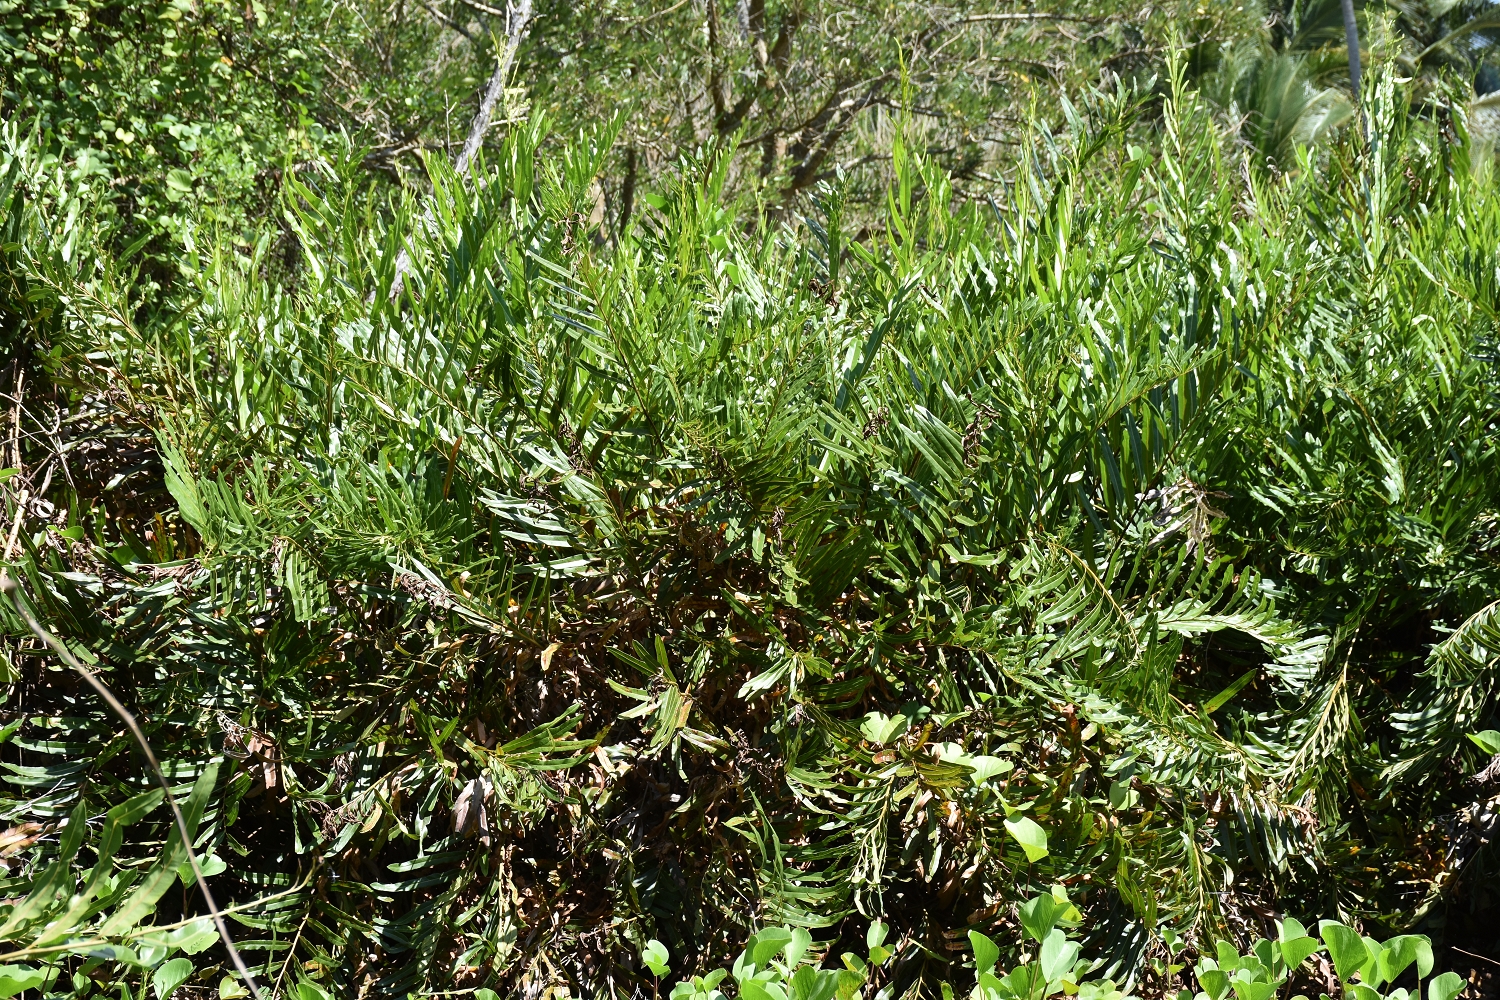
column 1214, row 982
column 1399, row 952
column 1295, row 951
column 1058, row 955
column 849, row 983
column 769, row 941
column 798, row 945
column 1039, row 915
column 986, row 952
column 754, row 989
column 1345, row 947
column 813, row 984
column 169, row 976
column 1031, row 837
column 986, row 767
column 231, row 989
column 1488, row 741
column 15, row 978
column 1446, row 987
column 1247, row 989
column 882, row 729
column 655, row 957
column 875, row 933
column 191, row 939
column 210, row 866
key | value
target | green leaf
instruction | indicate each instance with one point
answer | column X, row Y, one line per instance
column 170, row 976
column 756, row 989
column 875, row 933
column 1446, row 987
column 656, row 958
column 1250, row 989
column 882, row 729
column 1488, row 741
column 1345, row 947
column 1058, row 955
column 986, row 952
column 231, row 989
column 1399, row 952
column 1219, row 700
column 1040, row 915
column 1297, row 951
column 798, row 945
column 191, row 939
column 210, row 866
column 1214, row 982
column 767, row 942
column 814, row 984
column 986, row 767
column 15, row 978
column 1031, row 837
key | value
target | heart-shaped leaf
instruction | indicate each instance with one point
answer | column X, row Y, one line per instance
column 1039, row 916
column 986, row 767
column 1488, row 741
column 1248, row 989
column 769, row 941
column 1446, row 987
column 170, row 976
column 986, row 952
column 882, row 729
column 1059, row 954
column 1031, row 837
column 1215, row 982
column 1399, row 952
column 1295, row 951
column 1345, row 947
column 15, row 978
column 655, row 957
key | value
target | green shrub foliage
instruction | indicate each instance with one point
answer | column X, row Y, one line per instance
column 1131, row 531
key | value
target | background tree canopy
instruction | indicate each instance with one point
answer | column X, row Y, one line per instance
column 914, row 490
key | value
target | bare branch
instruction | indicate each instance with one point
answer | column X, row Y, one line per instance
column 978, row 18
column 517, row 20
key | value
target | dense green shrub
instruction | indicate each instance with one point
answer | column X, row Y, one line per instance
column 1133, row 532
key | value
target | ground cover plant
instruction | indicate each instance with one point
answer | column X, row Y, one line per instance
column 1086, row 587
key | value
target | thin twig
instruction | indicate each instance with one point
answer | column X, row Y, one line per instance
column 291, row 953
column 976, row 18
column 1482, row 958
column 643, row 18
column 12, row 590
